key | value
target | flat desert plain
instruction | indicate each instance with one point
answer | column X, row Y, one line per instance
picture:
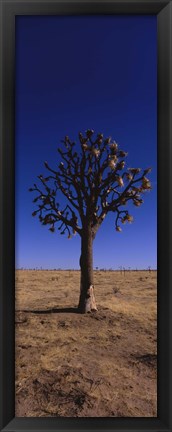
column 101, row 364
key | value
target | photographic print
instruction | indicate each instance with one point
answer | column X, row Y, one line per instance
column 86, row 216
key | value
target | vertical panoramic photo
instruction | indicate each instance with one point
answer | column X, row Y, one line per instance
column 86, row 216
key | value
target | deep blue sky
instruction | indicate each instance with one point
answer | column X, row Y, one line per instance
column 75, row 73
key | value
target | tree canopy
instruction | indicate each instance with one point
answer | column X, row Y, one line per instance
column 94, row 182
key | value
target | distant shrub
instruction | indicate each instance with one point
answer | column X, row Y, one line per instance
column 54, row 278
column 116, row 290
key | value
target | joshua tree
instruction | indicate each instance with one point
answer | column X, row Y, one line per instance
column 93, row 181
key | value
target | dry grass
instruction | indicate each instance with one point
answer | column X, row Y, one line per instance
column 101, row 364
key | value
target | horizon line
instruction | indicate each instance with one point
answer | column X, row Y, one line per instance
column 95, row 269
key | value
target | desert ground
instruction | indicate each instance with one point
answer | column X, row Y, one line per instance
column 102, row 364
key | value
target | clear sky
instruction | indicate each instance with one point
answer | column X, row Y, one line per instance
column 72, row 74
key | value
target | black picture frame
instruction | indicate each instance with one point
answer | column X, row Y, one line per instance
column 8, row 10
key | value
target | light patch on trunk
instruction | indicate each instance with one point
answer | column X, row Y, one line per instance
column 90, row 303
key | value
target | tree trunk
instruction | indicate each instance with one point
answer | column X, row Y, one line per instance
column 87, row 300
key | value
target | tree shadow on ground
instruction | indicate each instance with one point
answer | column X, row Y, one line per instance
column 52, row 310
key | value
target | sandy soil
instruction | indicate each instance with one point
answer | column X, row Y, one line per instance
column 100, row 364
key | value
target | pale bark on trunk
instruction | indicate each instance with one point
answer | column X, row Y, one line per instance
column 87, row 301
